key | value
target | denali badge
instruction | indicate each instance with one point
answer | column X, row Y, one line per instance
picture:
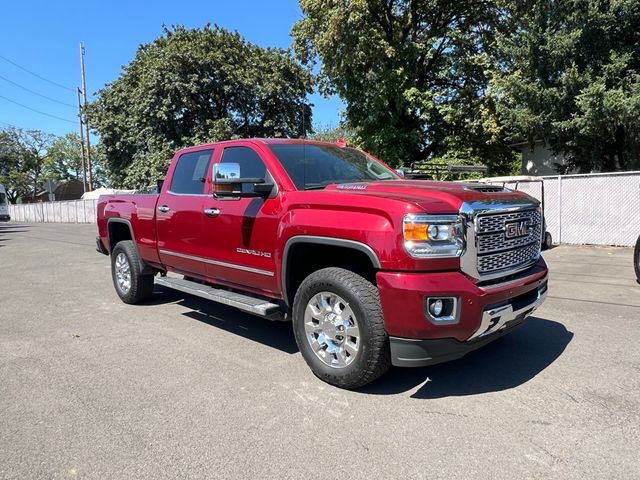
column 516, row 229
column 257, row 253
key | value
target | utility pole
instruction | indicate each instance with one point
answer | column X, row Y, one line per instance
column 84, row 156
column 86, row 121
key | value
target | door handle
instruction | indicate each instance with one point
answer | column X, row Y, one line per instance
column 163, row 208
column 212, row 212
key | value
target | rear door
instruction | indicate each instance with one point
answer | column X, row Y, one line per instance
column 180, row 218
column 242, row 234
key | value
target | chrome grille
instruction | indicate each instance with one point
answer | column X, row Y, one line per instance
column 495, row 252
column 494, row 242
column 495, row 223
column 509, row 259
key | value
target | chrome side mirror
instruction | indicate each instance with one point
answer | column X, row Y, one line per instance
column 226, row 171
column 227, row 183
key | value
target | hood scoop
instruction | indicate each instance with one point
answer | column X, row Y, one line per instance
column 486, row 188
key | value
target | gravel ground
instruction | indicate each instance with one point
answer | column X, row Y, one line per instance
column 182, row 388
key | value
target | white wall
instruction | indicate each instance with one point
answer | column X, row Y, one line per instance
column 539, row 160
column 73, row 211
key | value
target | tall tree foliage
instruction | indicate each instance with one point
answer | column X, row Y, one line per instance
column 192, row 86
column 23, row 156
column 64, row 158
column 28, row 158
column 333, row 133
column 570, row 75
column 412, row 73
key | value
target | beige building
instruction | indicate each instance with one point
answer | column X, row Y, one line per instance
column 539, row 160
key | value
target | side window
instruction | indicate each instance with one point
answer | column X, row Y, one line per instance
column 251, row 165
column 191, row 172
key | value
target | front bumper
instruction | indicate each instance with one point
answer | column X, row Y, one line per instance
column 496, row 322
column 485, row 312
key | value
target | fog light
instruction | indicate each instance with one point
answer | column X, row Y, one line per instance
column 442, row 310
column 436, row 308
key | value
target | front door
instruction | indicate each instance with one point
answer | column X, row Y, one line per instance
column 242, row 235
column 182, row 240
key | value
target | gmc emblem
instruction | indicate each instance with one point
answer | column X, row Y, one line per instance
column 516, row 229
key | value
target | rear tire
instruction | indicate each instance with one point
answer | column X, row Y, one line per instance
column 131, row 285
column 339, row 328
column 548, row 241
column 636, row 260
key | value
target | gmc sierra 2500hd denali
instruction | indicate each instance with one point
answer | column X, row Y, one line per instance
column 372, row 270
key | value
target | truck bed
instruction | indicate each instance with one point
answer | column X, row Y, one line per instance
column 139, row 211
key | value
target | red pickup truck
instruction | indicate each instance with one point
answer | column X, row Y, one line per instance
column 373, row 270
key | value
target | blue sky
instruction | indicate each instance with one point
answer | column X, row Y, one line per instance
column 44, row 37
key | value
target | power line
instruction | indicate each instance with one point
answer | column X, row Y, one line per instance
column 37, row 111
column 36, row 93
column 36, row 75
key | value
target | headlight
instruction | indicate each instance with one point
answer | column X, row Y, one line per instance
column 428, row 236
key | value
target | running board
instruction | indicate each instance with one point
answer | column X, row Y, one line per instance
column 246, row 303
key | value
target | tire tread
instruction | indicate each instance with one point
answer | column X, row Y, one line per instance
column 141, row 285
column 378, row 360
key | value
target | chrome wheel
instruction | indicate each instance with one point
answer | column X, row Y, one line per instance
column 123, row 273
column 332, row 329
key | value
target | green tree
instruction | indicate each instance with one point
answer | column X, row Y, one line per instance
column 23, row 155
column 412, row 72
column 64, row 158
column 570, row 75
column 330, row 133
column 99, row 170
column 194, row 86
column 13, row 175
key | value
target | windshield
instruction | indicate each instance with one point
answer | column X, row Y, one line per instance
column 315, row 166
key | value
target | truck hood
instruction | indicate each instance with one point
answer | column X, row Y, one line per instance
column 433, row 196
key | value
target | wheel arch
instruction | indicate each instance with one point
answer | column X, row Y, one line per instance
column 116, row 228
column 288, row 280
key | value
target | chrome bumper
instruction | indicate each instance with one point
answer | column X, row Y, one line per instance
column 495, row 319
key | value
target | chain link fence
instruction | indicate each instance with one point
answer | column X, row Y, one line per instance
column 593, row 209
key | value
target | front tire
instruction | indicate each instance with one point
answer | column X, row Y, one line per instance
column 339, row 328
column 131, row 285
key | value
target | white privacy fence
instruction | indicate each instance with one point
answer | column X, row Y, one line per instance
column 596, row 209
column 73, row 211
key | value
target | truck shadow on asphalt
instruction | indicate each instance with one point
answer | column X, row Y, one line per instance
column 276, row 335
column 6, row 229
column 508, row 362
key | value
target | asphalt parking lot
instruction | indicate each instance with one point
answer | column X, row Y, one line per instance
column 181, row 388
